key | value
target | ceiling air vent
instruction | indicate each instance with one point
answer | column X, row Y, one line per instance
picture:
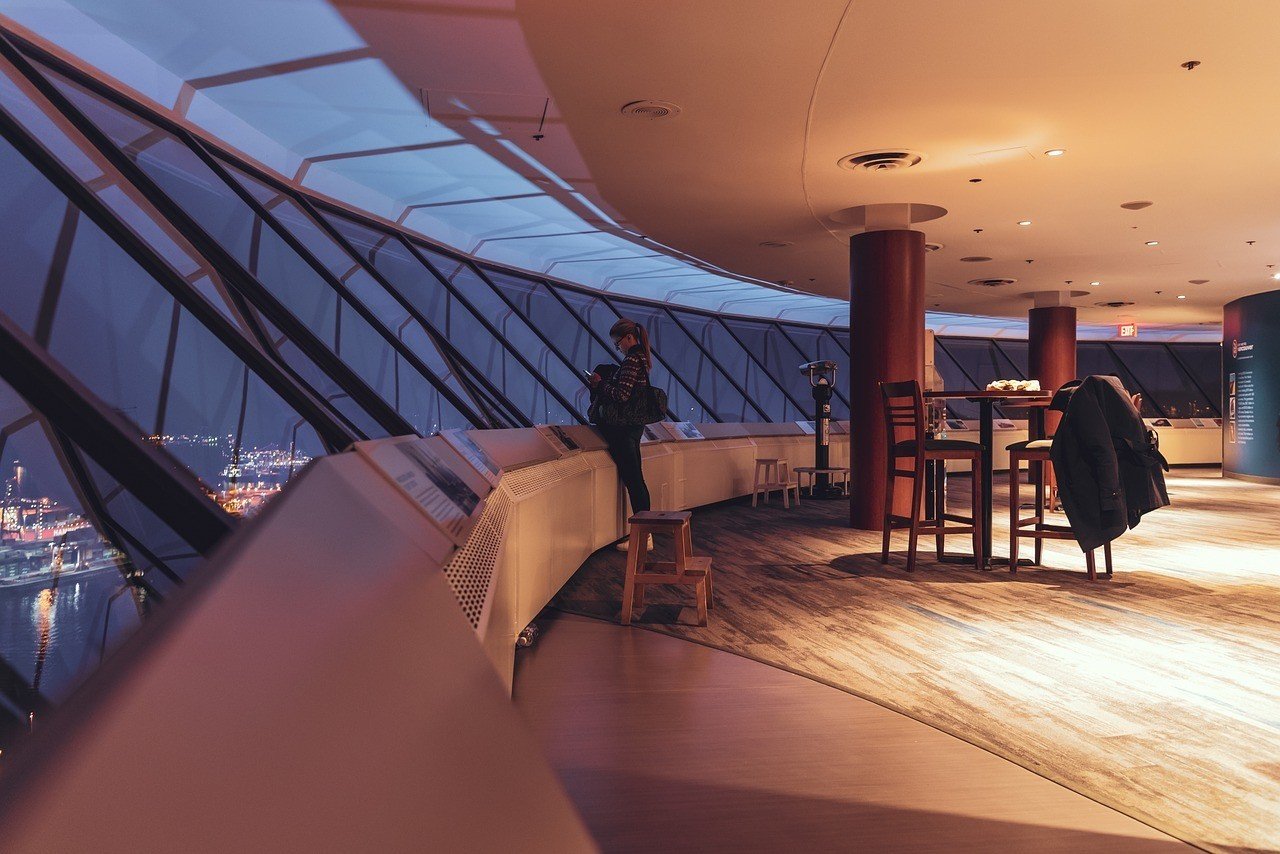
column 973, row 259
column 879, row 161
column 1115, row 304
column 934, row 247
column 992, row 283
column 775, row 244
column 1136, row 206
column 651, row 109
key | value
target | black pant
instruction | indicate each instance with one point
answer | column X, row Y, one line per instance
column 624, row 447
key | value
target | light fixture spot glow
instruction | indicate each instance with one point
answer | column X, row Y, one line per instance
column 1055, row 152
column 1153, row 242
column 1182, row 296
column 1095, row 284
column 1024, row 222
column 1275, row 275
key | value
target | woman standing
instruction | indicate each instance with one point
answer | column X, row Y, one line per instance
column 631, row 378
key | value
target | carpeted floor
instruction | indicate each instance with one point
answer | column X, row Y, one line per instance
column 1156, row 693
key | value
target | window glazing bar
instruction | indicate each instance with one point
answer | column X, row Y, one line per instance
column 1146, row 395
column 760, row 364
column 211, row 250
column 716, row 365
column 331, row 429
column 1215, row 404
column 782, row 327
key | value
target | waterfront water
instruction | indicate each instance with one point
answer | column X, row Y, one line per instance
column 53, row 636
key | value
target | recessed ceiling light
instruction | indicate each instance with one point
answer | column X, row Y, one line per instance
column 1024, row 222
column 1136, row 206
column 975, row 180
column 1153, row 242
column 1197, row 281
column 1095, row 284
column 1275, row 275
column 1055, row 152
column 775, row 244
column 1182, row 296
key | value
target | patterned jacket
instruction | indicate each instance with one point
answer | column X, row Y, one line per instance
column 630, row 374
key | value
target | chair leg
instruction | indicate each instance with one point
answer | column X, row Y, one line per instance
column 979, row 559
column 917, row 495
column 888, row 511
column 1041, row 468
column 1106, row 556
column 1089, row 566
column 1014, row 504
column 939, row 505
column 700, row 593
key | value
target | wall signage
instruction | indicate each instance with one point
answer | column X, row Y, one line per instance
column 1251, row 386
column 1128, row 330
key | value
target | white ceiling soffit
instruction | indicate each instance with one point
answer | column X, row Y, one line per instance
column 774, row 95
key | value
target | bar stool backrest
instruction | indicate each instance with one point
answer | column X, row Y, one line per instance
column 903, row 411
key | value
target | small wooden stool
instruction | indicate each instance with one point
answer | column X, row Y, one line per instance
column 836, row 472
column 777, row 475
column 1036, row 454
column 686, row 569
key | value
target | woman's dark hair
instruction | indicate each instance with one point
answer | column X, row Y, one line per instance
column 626, row 327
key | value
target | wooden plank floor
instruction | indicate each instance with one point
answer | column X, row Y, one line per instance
column 673, row 746
column 1157, row 692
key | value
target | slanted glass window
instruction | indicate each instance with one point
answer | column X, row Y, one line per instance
column 551, row 366
column 113, row 326
column 819, row 344
column 502, row 377
column 414, row 395
column 556, row 320
column 260, row 250
column 1172, row 389
column 1096, row 358
column 781, row 358
column 1204, row 363
column 744, row 366
column 595, row 312
column 682, row 355
column 81, row 562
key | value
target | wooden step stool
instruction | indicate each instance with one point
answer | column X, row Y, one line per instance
column 686, row 569
column 776, row 475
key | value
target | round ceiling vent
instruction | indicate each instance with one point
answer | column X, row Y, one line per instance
column 934, row 247
column 651, row 109
column 1136, row 206
column 974, row 259
column 1115, row 304
column 881, row 160
column 775, row 244
column 992, row 283
column 1197, row 281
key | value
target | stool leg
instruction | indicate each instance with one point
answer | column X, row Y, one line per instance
column 1089, row 565
column 939, row 474
column 888, row 511
column 1014, row 503
column 755, row 485
column 633, row 563
column 917, row 495
column 1041, row 468
column 979, row 559
column 1106, row 556
column 700, row 593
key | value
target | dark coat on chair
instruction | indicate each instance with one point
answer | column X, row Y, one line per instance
column 1108, row 472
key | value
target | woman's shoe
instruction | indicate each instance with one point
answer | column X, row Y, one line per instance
column 625, row 544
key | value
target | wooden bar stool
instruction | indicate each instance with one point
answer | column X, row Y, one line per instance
column 904, row 411
column 776, row 475
column 687, row 569
column 1035, row 453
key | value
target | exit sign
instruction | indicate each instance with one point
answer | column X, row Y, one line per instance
column 1128, row 330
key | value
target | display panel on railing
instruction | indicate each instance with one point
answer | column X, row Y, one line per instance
column 1251, row 384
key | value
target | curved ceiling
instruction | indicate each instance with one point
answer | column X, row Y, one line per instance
column 774, row 94
column 494, row 126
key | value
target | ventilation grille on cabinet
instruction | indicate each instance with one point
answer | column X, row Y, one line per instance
column 470, row 571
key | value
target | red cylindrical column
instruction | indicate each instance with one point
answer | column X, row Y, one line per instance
column 1051, row 351
column 886, row 325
